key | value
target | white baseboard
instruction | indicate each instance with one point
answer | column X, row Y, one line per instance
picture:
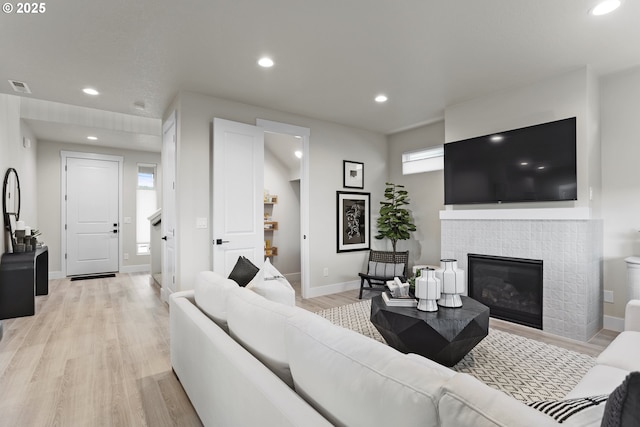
column 53, row 275
column 333, row 289
column 613, row 323
column 140, row 268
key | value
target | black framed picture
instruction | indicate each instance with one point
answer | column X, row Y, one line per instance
column 353, row 174
column 353, row 221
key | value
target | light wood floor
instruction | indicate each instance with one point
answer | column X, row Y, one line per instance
column 97, row 354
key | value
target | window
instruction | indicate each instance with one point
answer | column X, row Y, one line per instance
column 146, row 204
column 425, row 160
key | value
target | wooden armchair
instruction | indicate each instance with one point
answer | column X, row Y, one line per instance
column 383, row 266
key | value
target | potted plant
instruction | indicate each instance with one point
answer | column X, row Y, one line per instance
column 394, row 222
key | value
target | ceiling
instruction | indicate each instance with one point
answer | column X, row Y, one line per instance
column 332, row 57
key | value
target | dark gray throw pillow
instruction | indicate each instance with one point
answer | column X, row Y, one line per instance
column 243, row 272
column 623, row 405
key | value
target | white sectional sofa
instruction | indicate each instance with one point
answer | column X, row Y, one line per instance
column 244, row 360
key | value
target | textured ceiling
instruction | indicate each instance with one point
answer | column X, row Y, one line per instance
column 332, row 57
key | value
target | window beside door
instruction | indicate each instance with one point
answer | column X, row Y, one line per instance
column 146, row 204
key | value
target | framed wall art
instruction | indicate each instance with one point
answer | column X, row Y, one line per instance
column 353, row 174
column 353, row 221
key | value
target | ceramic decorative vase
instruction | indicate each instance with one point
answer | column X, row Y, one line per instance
column 453, row 283
column 428, row 290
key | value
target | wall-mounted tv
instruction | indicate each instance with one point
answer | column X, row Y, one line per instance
column 531, row 164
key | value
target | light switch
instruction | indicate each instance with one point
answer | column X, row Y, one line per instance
column 201, row 222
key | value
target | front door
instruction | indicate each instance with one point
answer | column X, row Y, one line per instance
column 238, row 189
column 92, row 211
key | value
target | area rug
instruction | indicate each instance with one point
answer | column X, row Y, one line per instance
column 526, row 369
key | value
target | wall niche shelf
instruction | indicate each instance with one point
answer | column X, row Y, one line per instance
column 269, row 225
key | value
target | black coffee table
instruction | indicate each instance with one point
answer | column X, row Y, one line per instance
column 444, row 336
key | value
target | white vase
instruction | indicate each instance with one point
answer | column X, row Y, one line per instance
column 428, row 290
column 453, row 283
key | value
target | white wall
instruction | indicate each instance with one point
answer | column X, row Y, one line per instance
column 620, row 128
column 49, row 169
column 14, row 155
column 567, row 95
column 287, row 212
column 426, row 191
column 329, row 144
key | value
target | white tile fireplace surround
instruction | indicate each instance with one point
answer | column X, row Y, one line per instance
column 567, row 241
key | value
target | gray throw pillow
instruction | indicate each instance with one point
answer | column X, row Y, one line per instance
column 243, row 272
column 623, row 405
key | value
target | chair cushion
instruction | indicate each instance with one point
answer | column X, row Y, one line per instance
column 243, row 272
column 210, row 294
column 618, row 352
column 272, row 285
column 385, row 269
column 355, row 381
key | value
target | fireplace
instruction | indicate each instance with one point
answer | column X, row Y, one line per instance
column 510, row 287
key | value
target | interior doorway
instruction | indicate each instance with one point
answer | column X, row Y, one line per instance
column 303, row 135
column 282, row 173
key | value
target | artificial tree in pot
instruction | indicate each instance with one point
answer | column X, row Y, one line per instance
column 395, row 221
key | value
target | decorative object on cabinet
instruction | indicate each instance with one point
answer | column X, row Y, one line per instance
column 453, row 283
column 353, row 219
column 353, row 174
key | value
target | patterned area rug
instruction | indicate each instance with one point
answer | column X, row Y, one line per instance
column 526, row 369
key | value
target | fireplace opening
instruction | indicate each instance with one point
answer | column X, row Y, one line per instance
column 510, row 287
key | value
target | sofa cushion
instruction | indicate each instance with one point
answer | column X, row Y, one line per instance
column 623, row 406
column 618, row 352
column 469, row 402
column 243, row 272
column 600, row 379
column 272, row 285
column 210, row 295
column 353, row 380
column 259, row 326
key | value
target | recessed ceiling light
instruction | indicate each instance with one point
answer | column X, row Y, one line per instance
column 139, row 105
column 540, row 167
column 90, row 91
column 524, row 163
column 381, row 98
column 604, row 7
column 92, row 138
column 496, row 138
column 265, row 62
column 298, row 154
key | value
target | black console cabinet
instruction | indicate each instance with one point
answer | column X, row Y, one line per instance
column 23, row 276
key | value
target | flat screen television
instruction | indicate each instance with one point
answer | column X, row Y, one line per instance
column 531, row 164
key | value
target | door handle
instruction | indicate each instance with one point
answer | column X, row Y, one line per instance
column 164, row 237
column 115, row 231
column 220, row 241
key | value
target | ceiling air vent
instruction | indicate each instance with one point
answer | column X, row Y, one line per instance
column 19, row 87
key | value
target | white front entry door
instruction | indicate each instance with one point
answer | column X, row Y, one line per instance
column 238, row 194
column 92, row 211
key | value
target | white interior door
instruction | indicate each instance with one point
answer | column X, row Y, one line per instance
column 168, row 206
column 92, row 215
column 238, row 207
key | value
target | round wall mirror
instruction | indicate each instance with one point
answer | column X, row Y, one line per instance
column 11, row 205
column 11, row 194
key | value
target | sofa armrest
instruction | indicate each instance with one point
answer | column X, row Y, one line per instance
column 632, row 316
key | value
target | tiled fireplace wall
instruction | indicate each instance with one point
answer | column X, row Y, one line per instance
column 571, row 251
